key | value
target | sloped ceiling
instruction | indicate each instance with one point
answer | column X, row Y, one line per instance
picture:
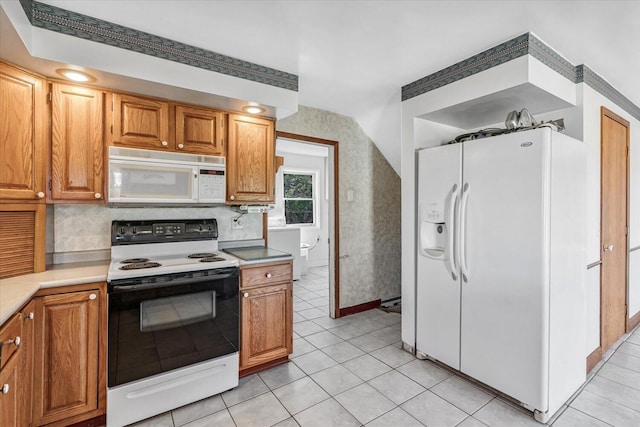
column 353, row 57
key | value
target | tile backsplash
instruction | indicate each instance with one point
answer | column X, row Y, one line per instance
column 79, row 229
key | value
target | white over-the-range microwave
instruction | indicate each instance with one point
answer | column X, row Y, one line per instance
column 147, row 177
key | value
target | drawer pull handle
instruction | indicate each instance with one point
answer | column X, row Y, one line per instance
column 5, row 389
column 15, row 341
column 268, row 275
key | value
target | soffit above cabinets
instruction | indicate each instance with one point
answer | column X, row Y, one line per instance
column 493, row 108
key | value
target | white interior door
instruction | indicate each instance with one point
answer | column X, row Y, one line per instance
column 438, row 278
column 504, row 312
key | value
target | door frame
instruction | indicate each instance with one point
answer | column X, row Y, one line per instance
column 335, row 236
column 606, row 113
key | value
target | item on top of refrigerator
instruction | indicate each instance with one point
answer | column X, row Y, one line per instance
column 515, row 122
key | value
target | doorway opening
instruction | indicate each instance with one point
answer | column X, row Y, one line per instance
column 305, row 217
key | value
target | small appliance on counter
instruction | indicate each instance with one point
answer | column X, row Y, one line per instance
column 173, row 322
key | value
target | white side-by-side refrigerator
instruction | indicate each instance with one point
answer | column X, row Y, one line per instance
column 501, row 263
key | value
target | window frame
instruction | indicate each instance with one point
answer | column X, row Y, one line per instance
column 313, row 198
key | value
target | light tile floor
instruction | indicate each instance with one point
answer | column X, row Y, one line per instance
column 352, row 372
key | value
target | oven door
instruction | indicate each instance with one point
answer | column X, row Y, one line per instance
column 161, row 323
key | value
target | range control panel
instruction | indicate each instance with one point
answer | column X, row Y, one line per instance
column 131, row 232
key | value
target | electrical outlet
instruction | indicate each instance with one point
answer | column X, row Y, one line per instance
column 237, row 223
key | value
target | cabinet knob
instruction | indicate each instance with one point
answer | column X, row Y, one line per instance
column 165, row 144
column 246, row 294
column 15, row 341
column 5, row 389
column 268, row 275
column 92, row 296
column 30, row 316
column 40, row 195
column 232, row 197
column 97, row 196
column 181, row 146
column 606, row 248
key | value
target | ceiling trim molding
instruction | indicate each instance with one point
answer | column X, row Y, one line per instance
column 526, row 44
column 86, row 27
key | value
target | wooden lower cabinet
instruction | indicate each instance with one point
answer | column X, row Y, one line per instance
column 16, row 373
column 25, row 367
column 68, row 384
column 267, row 315
column 10, row 395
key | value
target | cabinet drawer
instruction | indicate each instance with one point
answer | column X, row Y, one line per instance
column 265, row 274
column 10, row 336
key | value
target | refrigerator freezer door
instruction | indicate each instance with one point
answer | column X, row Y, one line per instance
column 438, row 283
column 505, row 302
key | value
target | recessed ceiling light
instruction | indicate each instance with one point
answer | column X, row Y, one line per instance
column 75, row 75
column 253, row 109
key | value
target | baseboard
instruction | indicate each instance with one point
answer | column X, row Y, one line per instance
column 594, row 358
column 262, row 367
column 345, row 311
column 93, row 422
column 633, row 321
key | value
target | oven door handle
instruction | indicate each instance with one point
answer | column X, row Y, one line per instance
column 130, row 288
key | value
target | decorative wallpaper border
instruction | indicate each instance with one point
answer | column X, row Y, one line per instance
column 600, row 85
column 490, row 58
column 512, row 49
column 78, row 25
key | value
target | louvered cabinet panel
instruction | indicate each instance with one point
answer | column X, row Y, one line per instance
column 22, row 239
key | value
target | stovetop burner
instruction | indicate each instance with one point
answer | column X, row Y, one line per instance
column 147, row 250
column 212, row 259
column 134, row 260
column 140, row 265
column 203, row 255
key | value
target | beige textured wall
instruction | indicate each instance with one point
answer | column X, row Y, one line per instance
column 370, row 224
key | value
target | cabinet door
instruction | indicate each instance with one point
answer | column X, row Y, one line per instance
column 199, row 131
column 25, row 367
column 267, row 323
column 250, row 160
column 140, row 122
column 77, row 165
column 9, row 397
column 22, row 135
column 66, row 360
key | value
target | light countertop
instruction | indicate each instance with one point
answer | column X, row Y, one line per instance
column 16, row 291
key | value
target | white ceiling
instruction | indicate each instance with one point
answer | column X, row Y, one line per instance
column 353, row 57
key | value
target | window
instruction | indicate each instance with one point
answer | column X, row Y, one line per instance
column 299, row 197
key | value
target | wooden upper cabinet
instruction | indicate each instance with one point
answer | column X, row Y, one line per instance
column 199, row 131
column 22, row 134
column 250, row 160
column 140, row 122
column 77, row 159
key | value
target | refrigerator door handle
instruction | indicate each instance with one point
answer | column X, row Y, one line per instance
column 463, row 238
column 451, row 230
